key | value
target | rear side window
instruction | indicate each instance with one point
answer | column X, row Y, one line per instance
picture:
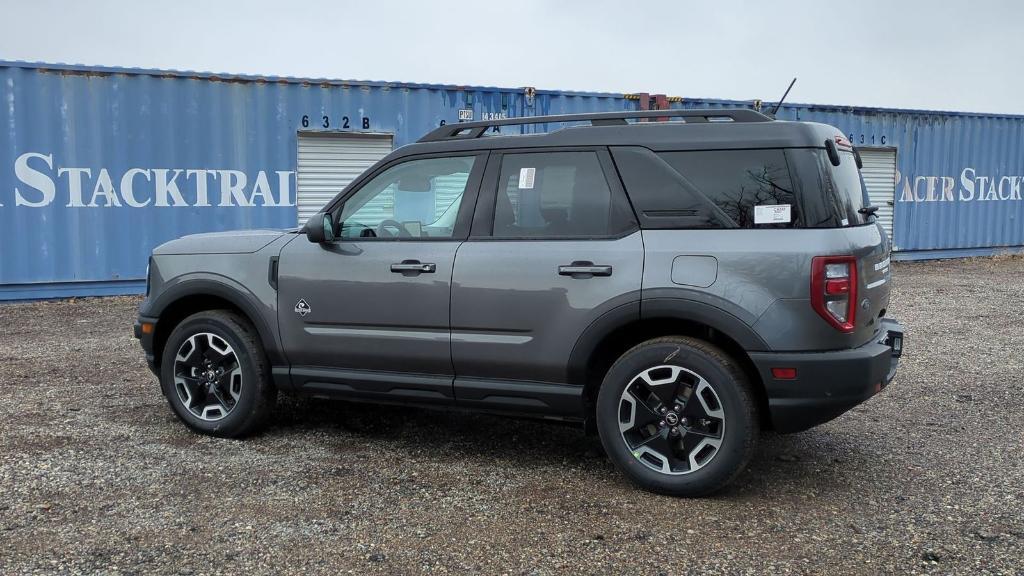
column 557, row 195
column 752, row 188
column 663, row 198
column 765, row 188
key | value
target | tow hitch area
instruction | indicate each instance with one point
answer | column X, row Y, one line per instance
column 895, row 341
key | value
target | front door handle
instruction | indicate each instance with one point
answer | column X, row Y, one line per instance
column 584, row 269
column 414, row 267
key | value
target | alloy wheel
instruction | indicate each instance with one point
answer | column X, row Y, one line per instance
column 207, row 376
column 671, row 419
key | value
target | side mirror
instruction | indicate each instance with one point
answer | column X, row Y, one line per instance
column 320, row 228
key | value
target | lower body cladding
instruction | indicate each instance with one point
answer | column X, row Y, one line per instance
column 809, row 388
column 535, row 399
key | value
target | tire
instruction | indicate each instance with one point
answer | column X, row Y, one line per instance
column 231, row 403
column 716, row 420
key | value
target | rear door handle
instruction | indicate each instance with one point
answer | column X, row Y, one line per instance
column 584, row 269
column 414, row 266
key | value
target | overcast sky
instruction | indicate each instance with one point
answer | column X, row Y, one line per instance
column 935, row 54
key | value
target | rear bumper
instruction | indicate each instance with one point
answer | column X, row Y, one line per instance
column 827, row 383
column 146, row 340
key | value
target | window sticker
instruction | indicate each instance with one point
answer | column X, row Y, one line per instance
column 526, row 176
column 772, row 214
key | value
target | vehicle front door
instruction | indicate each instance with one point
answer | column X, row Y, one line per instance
column 367, row 314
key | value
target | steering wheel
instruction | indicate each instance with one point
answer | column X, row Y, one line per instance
column 382, row 229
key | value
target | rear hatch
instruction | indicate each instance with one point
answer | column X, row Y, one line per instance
column 844, row 190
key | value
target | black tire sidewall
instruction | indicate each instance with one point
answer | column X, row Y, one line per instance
column 239, row 417
column 740, row 427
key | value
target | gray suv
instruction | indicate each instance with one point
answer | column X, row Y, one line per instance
column 676, row 283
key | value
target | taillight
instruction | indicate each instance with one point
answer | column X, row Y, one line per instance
column 834, row 290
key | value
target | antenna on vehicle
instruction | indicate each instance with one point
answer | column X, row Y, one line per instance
column 783, row 99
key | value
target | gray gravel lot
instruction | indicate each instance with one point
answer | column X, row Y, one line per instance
column 97, row 476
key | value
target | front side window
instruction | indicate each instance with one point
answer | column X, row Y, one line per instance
column 414, row 199
column 556, row 195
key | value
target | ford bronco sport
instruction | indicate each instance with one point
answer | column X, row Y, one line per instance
column 675, row 285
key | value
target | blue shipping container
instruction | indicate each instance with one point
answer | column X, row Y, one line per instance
column 100, row 165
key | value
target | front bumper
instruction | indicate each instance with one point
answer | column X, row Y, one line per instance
column 146, row 339
column 828, row 383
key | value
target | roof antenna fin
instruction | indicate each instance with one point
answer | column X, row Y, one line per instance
column 783, row 99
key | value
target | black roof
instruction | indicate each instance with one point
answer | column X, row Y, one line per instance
column 710, row 129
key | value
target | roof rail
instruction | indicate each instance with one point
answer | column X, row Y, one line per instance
column 469, row 130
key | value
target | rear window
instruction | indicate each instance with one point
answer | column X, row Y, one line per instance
column 846, row 189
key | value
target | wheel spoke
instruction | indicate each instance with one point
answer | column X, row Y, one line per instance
column 215, row 392
column 640, row 412
column 189, row 354
column 701, row 433
column 660, row 446
column 698, row 449
column 217, row 350
column 662, row 382
column 191, row 388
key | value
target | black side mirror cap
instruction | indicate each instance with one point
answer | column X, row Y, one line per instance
column 319, row 228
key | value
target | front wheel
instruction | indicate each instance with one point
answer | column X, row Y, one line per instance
column 676, row 416
column 215, row 375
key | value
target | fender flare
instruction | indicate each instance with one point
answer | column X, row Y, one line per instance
column 206, row 284
column 708, row 314
column 658, row 309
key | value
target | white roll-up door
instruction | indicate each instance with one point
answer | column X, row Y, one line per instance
column 327, row 162
column 880, row 178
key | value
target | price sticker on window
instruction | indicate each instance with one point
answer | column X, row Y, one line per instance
column 772, row 214
column 526, row 177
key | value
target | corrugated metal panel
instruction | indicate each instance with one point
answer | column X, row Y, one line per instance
column 960, row 177
column 98, row 165
column 880, row 180
column 328, row 162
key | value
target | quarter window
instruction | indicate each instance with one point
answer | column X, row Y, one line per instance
column 556, row 195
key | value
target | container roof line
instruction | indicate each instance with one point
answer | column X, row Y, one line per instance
column 255, row 78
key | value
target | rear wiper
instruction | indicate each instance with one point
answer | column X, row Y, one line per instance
column 868, row 210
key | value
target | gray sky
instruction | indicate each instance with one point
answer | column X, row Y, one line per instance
column 910, row 54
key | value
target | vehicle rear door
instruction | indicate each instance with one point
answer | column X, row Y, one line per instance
column 554, row 246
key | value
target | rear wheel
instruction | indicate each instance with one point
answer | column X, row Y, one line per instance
column 676, row 416
column 215, row 375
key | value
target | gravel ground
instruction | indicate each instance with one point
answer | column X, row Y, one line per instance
column 96, row 475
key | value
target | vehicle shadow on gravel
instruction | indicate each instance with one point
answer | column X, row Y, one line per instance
column 807, row 462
